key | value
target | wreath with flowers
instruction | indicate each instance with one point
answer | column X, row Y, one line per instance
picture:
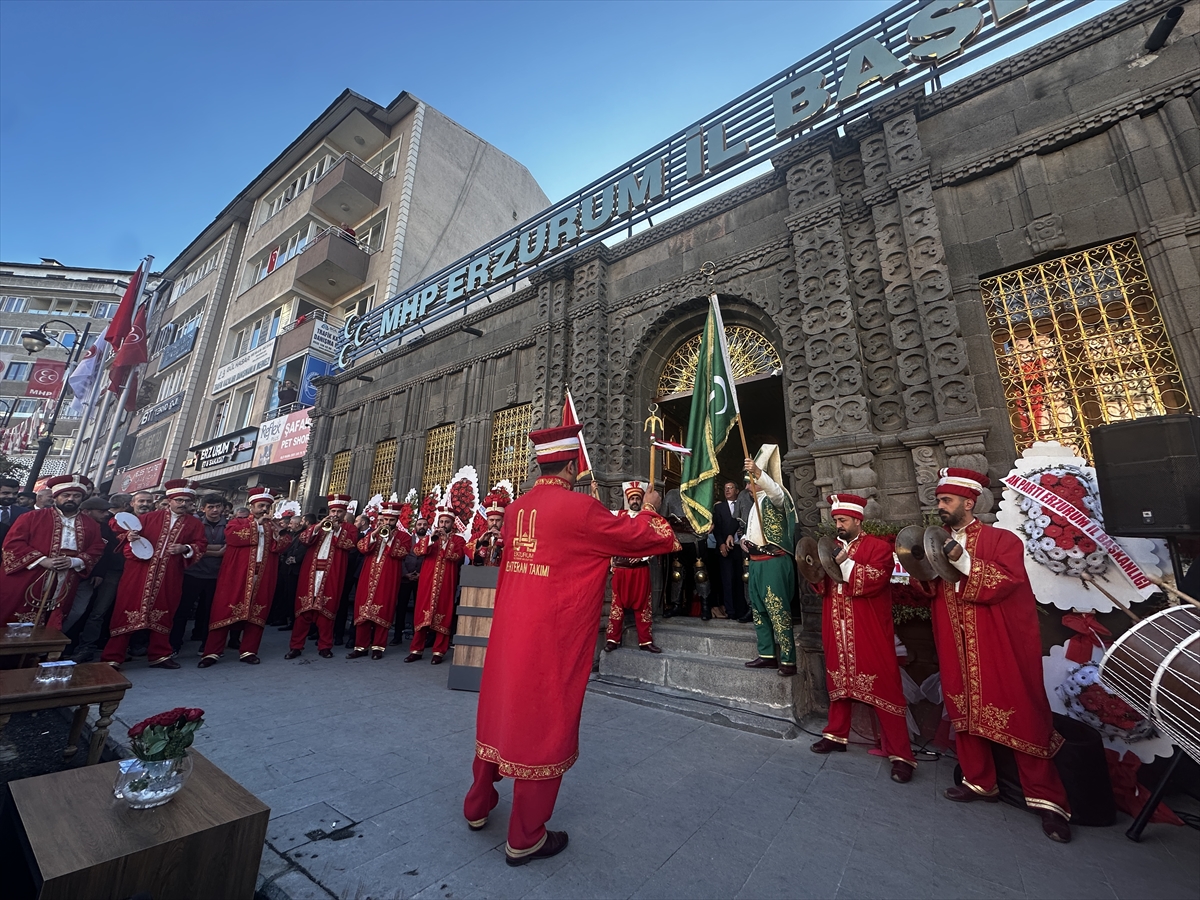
column 1049, row 538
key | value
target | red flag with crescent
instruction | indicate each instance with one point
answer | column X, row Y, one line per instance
column 46, row 378
column 132, row 353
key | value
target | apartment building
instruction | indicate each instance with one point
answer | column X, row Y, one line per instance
column 65, row 303
column 367, row 200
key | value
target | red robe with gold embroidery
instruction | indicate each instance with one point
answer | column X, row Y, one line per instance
column 321, row 578
column 857, row 631
column 149, row 591
column 379, row 582
column 31, row 536
column 990, row 648
column 246, row 583
column 557, row 548
column 439, row 578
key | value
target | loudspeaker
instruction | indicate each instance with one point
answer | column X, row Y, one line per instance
column 1148, row 472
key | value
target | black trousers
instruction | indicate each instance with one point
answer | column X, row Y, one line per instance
column 283, row 604
column 733, row 587
column 195, row 601
column 406, row 598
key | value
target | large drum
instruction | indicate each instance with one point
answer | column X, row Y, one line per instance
column 1155, row 668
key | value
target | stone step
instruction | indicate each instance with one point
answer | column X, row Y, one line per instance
column 706, row 710
column 721, row 679
column 716, row 638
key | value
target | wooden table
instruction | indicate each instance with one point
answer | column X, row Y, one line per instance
column 92, row 683
column 50, row 641
column 76, row 840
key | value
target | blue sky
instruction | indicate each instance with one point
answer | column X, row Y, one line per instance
column 126, row 127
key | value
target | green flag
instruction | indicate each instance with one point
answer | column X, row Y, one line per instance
column 714, row 413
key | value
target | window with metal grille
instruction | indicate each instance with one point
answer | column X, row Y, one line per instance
column 339, row 472
column 1080, row 342
column 382, row 468
column 510, row 445
column 439, row 458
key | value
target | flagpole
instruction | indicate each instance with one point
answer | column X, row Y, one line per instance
column 119, row 411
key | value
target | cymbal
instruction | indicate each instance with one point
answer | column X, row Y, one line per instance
column 827, row 551
column 808, row 563
column 935, row 541
column 910, row 549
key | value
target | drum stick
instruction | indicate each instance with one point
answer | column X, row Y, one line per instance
column 1089, row 582
column 1170, row 590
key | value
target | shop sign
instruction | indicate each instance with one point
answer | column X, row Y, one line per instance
column 178, row 348
column 313, row 367
column 244, row 366
column 325, row 339
column 140, row 478
column 160, row 411
column 912, row 43
column 283, row 439
column 227, row 450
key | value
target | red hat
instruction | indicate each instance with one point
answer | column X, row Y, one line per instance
column 390, row 508
column 634, row 489
column 559, row 444
column 338, row 501
column 261, row 493
column 60, row 483
column 286, row 514
column 180, row 487
column 964, row 482
column 850, row 505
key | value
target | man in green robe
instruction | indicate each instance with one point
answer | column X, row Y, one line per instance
column 770, row 532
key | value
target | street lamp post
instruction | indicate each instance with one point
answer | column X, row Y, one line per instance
column 36, row 342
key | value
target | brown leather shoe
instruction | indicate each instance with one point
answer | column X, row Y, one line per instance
column 787, row 669
column 413, row 657
column 325, row 654
column 376, row 654
column 610, row 646
column 762, row 663
column 207, row 661
column 167, row 663
column 1055, row 827
column 250, row 659
column 356, row 653
column 902, row 772
column 650, row 648
column 437, row 659
column 292, row 654
column 963, row 794
column 825, row 745
column 556, row 843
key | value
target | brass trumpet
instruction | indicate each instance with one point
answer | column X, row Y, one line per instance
column 327, row 524
column 384, row 532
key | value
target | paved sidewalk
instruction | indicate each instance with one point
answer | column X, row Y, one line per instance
column 365, row 765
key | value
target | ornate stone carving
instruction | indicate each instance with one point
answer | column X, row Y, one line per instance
column 1046, row 234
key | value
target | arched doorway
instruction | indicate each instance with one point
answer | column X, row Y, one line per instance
column 757, row 371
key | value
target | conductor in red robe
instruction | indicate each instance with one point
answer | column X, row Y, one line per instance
column 383, row 550
column 989, row 645
column 246, row 583
column 631, row 585
column 46, row 552
column 859, row 639
column 321, row 576
column 558, row 544
column 149, row 591
column 443, row 551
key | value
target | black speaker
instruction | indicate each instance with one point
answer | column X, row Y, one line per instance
column 1148, row 471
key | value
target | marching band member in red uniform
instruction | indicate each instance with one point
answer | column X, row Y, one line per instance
column 859, row 639
column 383, row 549
column 246, row 584
column 46, row 553
column 321, row 576
column 149, row 592
column 443, row 551
column 631, row 585
column 989, row 644
column 487, row 549
column 558, row 545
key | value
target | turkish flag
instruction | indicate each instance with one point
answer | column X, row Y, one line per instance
column 132, row 353
column 46, row 378
column 119, row 327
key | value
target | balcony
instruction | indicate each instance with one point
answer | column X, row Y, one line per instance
column 348, row 192
column 318, row 333
column 331, row 265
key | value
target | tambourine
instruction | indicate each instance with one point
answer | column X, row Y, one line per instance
column 128, row 521
column 141, row 548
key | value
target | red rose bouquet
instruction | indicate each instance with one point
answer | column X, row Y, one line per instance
column 166, row 735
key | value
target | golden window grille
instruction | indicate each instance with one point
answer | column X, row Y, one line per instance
column 382, row 468
column 439, row 458
column 339, row 472
column 510, row 445
column 750, row 354
column 1080, row 342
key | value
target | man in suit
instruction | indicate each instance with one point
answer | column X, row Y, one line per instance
column 9, row 508
column 726, row 528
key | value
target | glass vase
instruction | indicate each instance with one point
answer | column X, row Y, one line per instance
column 148, row 783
